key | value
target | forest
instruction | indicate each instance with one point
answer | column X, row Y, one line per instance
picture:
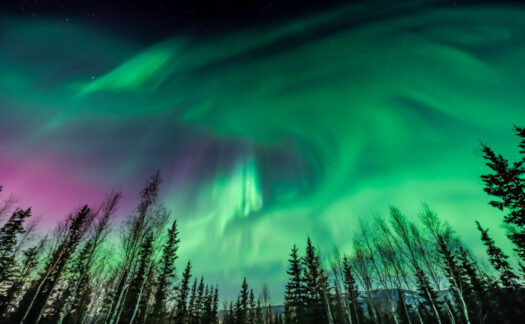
column 399, row 270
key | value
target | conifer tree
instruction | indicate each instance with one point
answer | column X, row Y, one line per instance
column 199, row 300
column 192, row 305
column 339, row 310
column 8, row 239
column 507, row 184
column 243, row 304
column 7, row 206
column 294, row 298
column 230, row 319
column 252, row 309
column 478, row 289
column 78, row 308
column 181, row 303
column 29, row 263
column 167, row 273
column 499, row 260
column 237, row 312
column 259, row 318
column 215, row 305
column 315, row 306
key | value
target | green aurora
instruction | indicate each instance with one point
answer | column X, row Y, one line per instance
column 270, row 134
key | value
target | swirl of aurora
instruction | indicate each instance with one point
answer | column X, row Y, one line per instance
column 266, row 135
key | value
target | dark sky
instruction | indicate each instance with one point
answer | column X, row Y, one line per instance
column 156, row 18
column 153, row 20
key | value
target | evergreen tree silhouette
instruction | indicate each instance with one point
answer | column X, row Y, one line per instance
column 166, row 275
column 252, row 309
column 8, row 240
column 192, row 305
column 315, row 306
column 28, row 263
column 499, row 260
column 215, row 305
column 294, row 297
column 243, row 304
column 181, row 303
column 507, row 183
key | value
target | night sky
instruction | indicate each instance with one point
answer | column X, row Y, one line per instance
column 269, row 122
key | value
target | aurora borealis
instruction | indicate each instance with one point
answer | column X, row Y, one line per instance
column 266, row 134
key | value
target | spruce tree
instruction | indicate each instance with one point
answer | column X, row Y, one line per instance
column 79, row 304
column 199, row 301
column 181, row 304
column 294, row 297
column 499, row 260
column 167, row 273
column 243, row 304
column 29, row 263
column 231, row 315
column 315, row 306
column 192, row 304
column 339, row 309
column 74, row 281
column 252, row 309
column 507, row 184
column 484, row 307
column 8, row 239
column 215, row 304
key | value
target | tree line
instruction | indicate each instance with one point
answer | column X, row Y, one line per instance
column 67, row 276
column 399, row 270
column 415, row 272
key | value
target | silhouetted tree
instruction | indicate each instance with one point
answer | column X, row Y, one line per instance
column 315, row 306
column 35, row 299
column 181, row 303
column 137, row 228
column 507, row 184
column 167, row 273
column 499, row 260
column 352, row 293
column 133, row 294
column 243, row 304
column 8, row 240
column 294, row 298
column 28, row 263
